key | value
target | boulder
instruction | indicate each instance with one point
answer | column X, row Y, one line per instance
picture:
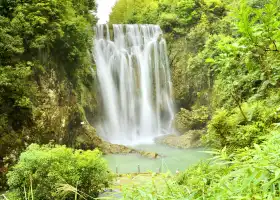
column 190, row 139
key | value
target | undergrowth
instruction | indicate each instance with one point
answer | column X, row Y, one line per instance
column 56, row 172
column 245, row 174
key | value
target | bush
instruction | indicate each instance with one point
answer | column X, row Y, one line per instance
column 186, row 120
column 242, row 127
column 45, row 170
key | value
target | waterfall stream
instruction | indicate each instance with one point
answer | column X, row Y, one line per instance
column 135, row 83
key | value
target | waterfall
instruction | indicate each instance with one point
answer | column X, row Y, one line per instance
column 135, row 83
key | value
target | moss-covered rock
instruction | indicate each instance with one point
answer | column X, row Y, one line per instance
column 151, row 155
column 190, row 139
column 109, row 148
column 88, row 139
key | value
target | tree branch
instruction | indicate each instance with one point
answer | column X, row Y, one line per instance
column 240, row 108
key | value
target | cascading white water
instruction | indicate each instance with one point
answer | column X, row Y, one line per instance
column 135, row 83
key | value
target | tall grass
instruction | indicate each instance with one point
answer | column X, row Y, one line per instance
column 62, row 189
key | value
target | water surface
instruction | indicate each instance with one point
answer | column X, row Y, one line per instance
column 171, row 159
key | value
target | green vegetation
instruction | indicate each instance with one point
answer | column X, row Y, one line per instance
column 225, row 62
column 46, row 85
column 236, row 129
column 186, row 120
column 44, row 171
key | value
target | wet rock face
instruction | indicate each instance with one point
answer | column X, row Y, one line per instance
column 87, row 139
column 109, row 148
column 189, row 140
column 151, row 155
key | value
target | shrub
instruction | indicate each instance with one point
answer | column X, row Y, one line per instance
column 45, row 170
column 242, row 127
column 191, row 120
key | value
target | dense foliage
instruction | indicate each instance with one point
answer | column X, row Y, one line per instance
column 45, row 76
column 44, row 171
column 186, row 120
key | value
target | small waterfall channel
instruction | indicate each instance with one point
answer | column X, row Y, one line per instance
column 135, row 83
